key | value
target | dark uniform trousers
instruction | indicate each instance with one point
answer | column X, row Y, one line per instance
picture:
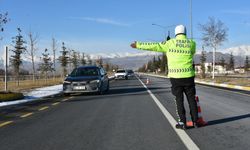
column 187, row 86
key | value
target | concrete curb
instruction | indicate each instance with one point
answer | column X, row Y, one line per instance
column 245, row 88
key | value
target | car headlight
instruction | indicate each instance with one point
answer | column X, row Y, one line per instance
column 94, row 81
column 67, row 82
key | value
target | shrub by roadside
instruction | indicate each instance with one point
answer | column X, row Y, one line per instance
column 10, row 96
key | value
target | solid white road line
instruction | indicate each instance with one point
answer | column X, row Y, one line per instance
column 188, row 142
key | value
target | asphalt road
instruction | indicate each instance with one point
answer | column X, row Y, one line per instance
column 127, row 118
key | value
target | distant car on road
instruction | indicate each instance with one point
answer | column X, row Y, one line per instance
column 86, row 79
column 131, row 73
column 121, row 74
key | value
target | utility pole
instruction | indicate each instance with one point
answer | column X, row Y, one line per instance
column 6, row 69
column 213, row 62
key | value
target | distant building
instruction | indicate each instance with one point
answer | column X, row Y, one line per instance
column 219, row 69
column 240, row 70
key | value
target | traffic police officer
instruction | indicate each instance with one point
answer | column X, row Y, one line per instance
column 179, row 51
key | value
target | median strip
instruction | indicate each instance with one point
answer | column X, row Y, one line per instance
column 26, row 115
column 5, row 123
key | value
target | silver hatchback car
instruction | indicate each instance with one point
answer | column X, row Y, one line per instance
column 86, row 79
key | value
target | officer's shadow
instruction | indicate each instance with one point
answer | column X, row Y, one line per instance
column 229, row 119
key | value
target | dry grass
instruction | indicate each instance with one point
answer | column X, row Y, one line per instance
column 9, row 96
column 29, row 84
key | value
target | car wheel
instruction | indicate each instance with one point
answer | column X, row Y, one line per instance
column 66, row 94
column 100, row 91
column 126, row 77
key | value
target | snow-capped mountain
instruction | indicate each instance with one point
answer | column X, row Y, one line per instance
column 121, row 55
column 243, row 50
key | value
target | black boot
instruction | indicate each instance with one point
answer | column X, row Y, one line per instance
column 181, row 125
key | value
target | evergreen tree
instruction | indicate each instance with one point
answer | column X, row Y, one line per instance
column 46, row 66
column 64, row 59
column 3, row 20
column 74, row 59
column 222, row 62
column 247, row 65
column 150, row 66
column 159, row 62
column 231, row 62
column 89, row 60
column 203, row 60
column 19, row 48
column 154, row 64
column 83, row 60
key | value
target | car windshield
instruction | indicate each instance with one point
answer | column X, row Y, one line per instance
column 84, row 72
column 120, row 71
column 130, row 71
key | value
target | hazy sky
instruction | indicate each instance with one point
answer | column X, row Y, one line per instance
column 108, row 26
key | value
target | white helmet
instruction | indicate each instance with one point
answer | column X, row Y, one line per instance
column 180, row 29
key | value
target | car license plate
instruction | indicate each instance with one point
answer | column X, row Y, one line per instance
column 79, row 87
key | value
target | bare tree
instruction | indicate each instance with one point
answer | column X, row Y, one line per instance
column 3, row 20
column 32, row 42
column 99, row 61
column 214, row 33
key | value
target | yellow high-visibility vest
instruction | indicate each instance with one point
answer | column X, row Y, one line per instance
column 179, row 51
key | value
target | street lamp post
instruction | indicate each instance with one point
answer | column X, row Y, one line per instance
column 164, row 27
column 166, row 38
column 191, row 20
